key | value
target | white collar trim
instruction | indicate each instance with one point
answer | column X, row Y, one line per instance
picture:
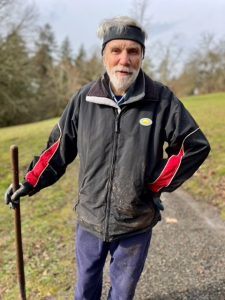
column 103, row 101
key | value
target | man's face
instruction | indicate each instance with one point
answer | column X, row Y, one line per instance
column 122, row 60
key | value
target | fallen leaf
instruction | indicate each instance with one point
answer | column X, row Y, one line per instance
column 171, row 220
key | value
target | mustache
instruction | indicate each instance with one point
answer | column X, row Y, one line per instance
column 123, row 69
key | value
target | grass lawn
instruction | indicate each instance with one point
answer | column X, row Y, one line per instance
column 48, row 219
column 48, row 223
column 208, row 183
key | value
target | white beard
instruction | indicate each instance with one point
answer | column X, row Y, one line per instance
column 122, row 84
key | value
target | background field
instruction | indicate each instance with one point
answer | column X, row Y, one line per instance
column 48, row 217
column 208, row 184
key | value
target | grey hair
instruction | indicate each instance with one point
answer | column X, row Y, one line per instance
column 120, row 23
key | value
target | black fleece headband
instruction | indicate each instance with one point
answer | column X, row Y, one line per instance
column 132, row 33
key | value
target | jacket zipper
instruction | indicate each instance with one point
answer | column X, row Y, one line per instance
column 111, row 174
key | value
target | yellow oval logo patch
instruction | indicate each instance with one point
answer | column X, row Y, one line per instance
column 145, row 122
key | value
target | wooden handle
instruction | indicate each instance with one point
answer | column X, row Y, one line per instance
column 19, row 246
column 15, row 166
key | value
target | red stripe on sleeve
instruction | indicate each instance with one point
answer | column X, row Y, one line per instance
column 33, row 176
column 168, row 172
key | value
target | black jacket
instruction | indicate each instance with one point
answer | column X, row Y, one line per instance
column 121, row 154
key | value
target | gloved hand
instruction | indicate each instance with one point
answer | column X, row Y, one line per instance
column 158, row 202
column 12, row 199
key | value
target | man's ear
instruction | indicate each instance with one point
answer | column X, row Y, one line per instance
column 143, row 53
column 103, row 59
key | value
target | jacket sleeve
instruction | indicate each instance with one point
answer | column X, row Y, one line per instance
column 187, row 149
column 61, row 150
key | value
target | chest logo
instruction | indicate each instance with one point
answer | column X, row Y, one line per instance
column 145, row 121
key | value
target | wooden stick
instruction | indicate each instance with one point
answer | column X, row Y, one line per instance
column 19, row 246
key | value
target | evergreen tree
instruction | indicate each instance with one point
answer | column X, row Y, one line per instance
column 45, row 50
column 65, row 75
column 66, row 52
column 44, row 65
column 16, row 91
column 88, row 68
column 81, row 58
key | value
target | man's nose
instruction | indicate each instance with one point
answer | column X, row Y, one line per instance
column 124, row 58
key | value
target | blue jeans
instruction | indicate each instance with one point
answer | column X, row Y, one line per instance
column 127, row 262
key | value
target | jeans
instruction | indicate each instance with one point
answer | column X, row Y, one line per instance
column 128, row 256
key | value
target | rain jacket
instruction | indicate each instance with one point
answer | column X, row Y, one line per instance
column 122, row 161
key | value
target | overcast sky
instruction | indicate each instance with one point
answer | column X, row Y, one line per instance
column 79, row 19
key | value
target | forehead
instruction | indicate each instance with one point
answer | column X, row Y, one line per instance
column 123, row 44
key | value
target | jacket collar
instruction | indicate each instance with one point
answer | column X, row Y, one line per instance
column 143, row 89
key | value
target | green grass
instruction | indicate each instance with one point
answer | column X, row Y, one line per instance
column 208, row 183
column 48, row 217
column 48, row 223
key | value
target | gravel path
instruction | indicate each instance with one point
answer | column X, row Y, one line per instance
column 187, row 255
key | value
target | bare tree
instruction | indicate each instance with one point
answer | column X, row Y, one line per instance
column 203, row 71
column 15, row 17
column 168, row 58
column 139, row 11
column 4, row 9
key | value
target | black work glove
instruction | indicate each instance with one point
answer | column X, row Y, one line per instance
column 158, row 202
column 12, row 199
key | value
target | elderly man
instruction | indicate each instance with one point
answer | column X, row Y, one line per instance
column 118, row 126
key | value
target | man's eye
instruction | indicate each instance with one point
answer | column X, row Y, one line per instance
column 134, row 51
column 115, row 50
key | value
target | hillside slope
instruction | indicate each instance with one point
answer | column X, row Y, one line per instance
column 209, row 182
column 48, row 217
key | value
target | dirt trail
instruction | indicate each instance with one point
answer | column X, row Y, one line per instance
column 187, row 255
